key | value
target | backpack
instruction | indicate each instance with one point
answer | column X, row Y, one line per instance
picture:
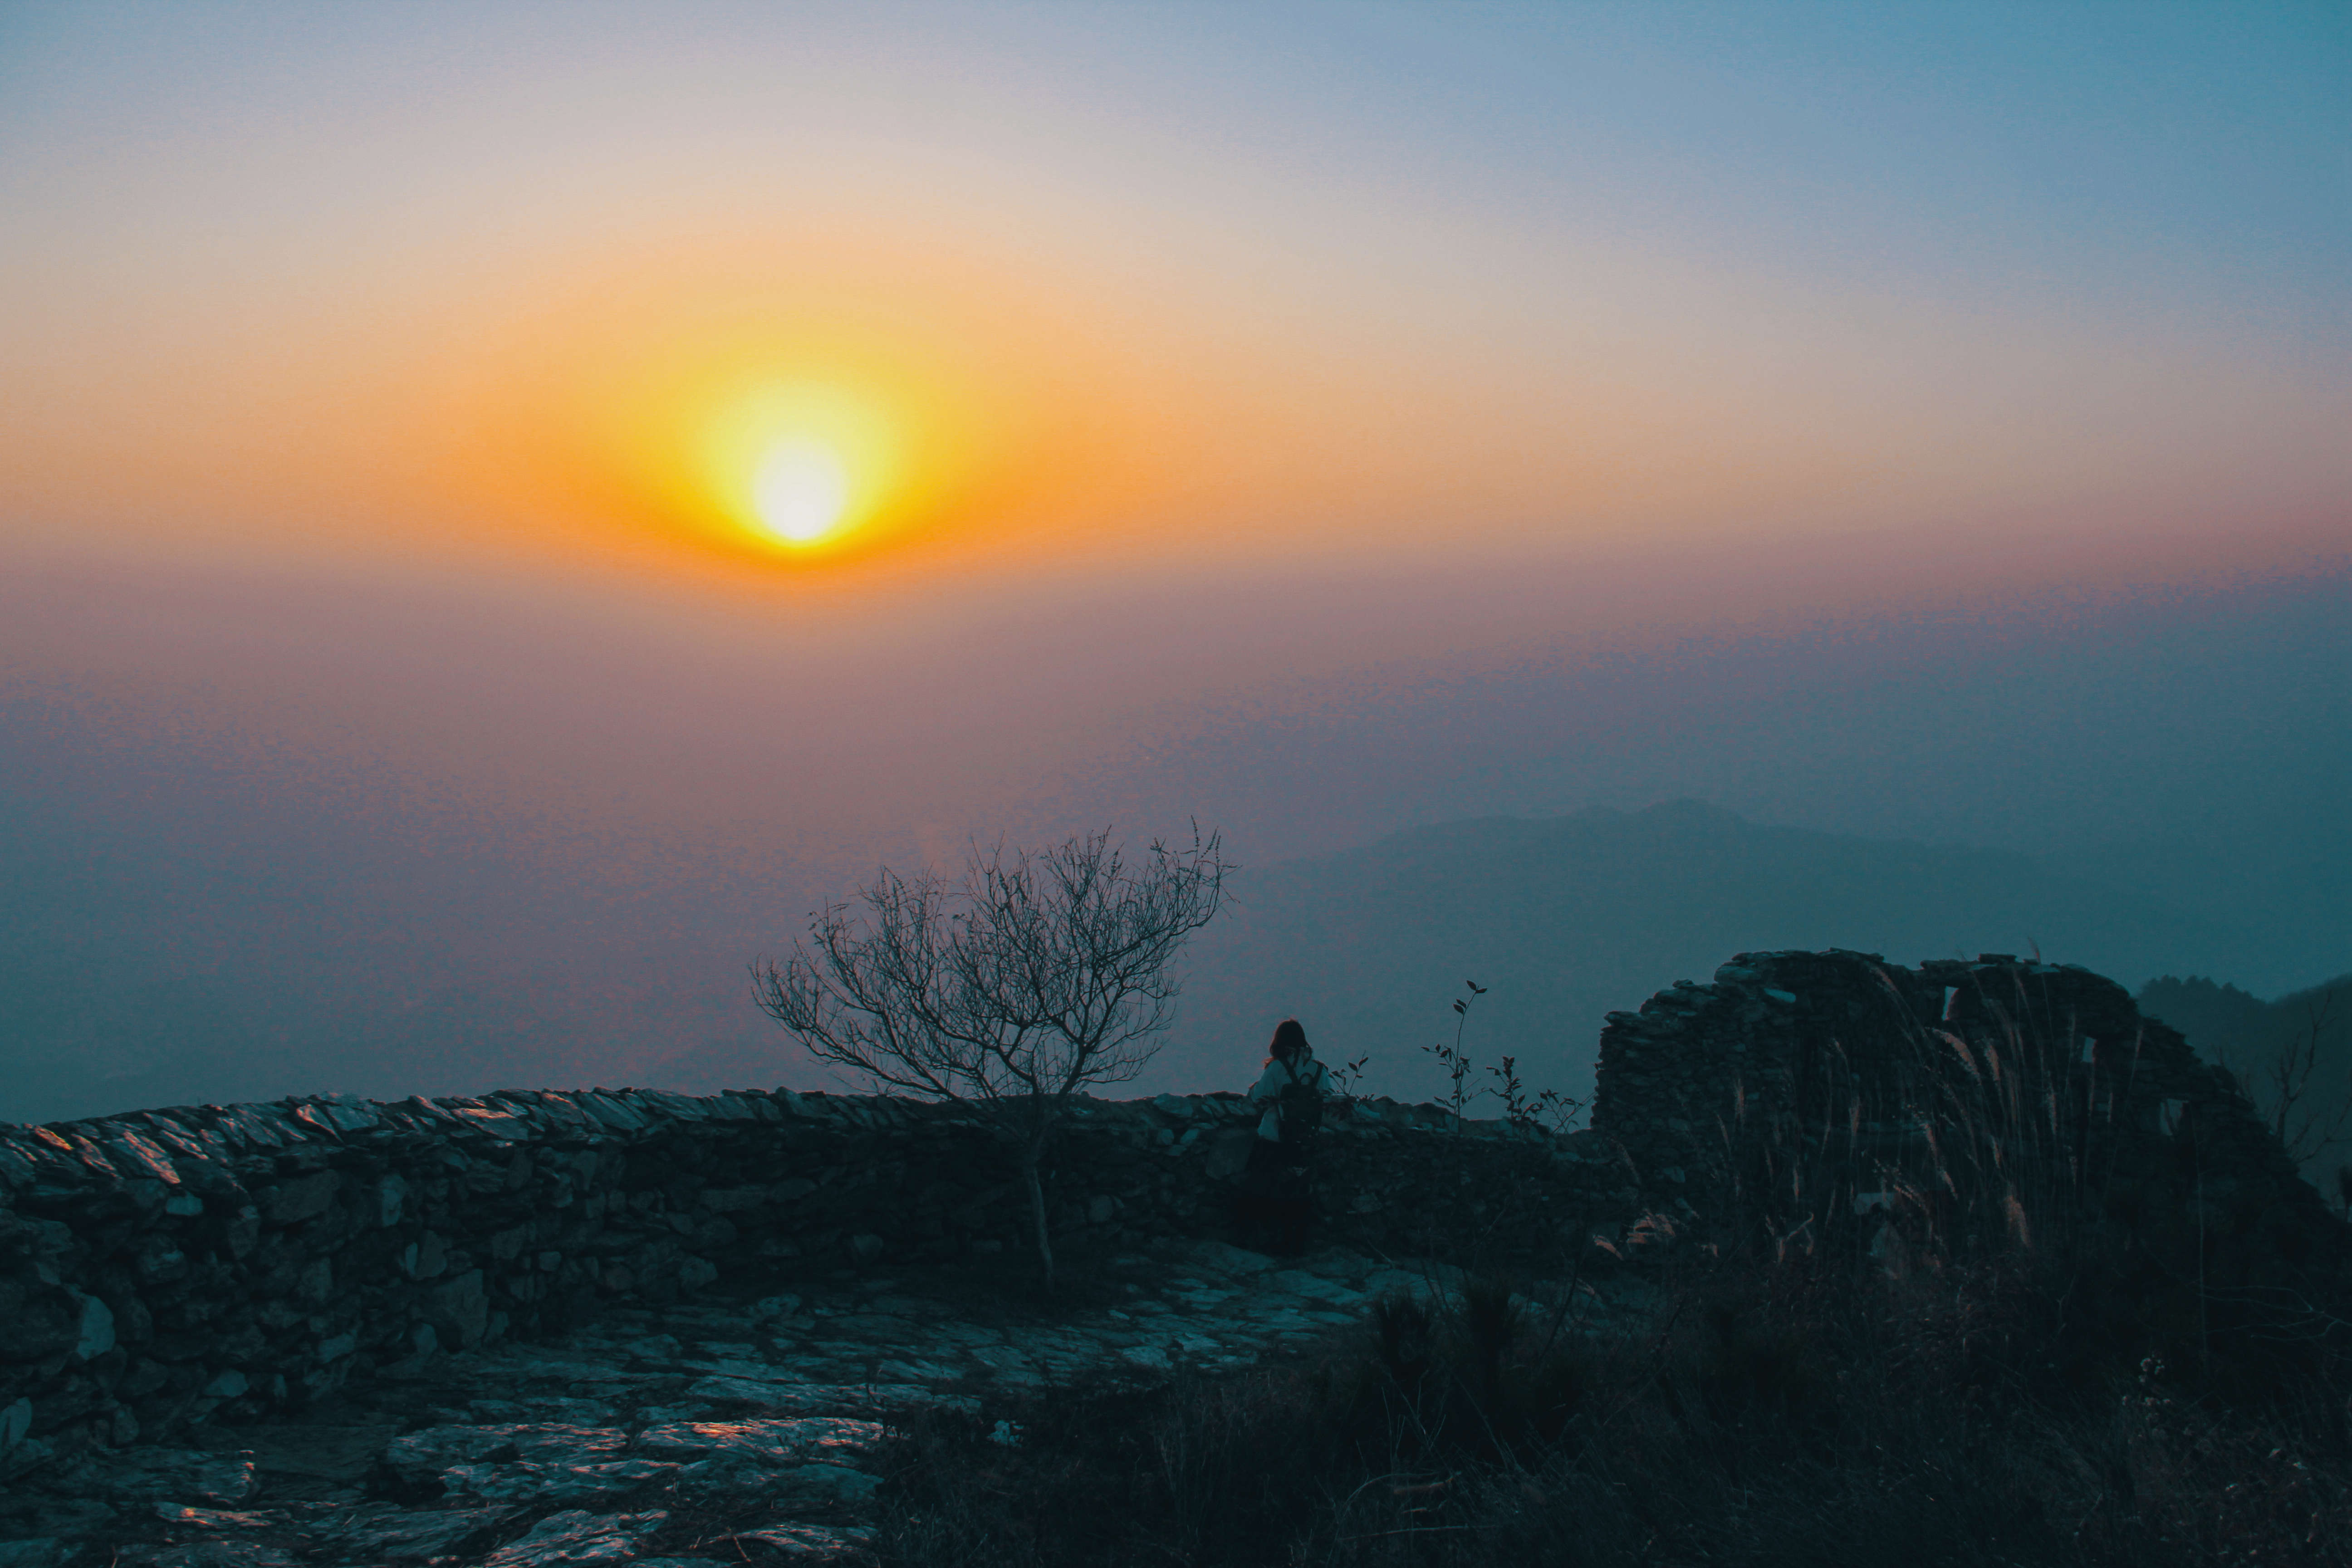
column 1302, row 1108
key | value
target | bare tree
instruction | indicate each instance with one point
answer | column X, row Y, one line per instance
column 2308, row 1111
column 1036, row 974
column 2306, row 1101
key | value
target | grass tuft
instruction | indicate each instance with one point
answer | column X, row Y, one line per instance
column 1963, row 1306
column 1773, row 1412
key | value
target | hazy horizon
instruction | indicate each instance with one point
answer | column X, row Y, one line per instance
column 502, row 510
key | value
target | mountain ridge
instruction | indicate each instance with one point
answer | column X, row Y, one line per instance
column 1565, row 919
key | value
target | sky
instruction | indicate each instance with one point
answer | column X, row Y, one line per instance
column 515, row 499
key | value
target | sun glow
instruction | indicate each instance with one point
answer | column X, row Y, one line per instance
column 803, row 467
column 851, row 422
column 801, row 492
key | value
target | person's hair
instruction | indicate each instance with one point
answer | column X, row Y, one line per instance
column 1288, row 1038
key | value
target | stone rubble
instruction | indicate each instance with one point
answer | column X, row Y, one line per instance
column 701, row 1433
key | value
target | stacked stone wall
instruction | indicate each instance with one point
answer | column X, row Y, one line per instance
column 160, row 1267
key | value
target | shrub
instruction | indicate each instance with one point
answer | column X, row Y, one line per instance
column 1797, row 1410
column 2011, row 1354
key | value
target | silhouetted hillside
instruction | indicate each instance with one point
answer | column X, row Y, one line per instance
column 2220, row 1020
column 2305, row 1035
column 1568, row 917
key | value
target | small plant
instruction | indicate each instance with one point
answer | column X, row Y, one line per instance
column 1347, row 1076
column 1524, row 1110
column 1405, row 1331
column 1490, row 1326
column 1450, row 1058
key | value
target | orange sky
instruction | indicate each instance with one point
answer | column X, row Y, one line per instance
column 1056, row 382
column 1431, row 326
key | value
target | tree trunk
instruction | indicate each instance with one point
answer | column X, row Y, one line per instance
column 1029, row 1157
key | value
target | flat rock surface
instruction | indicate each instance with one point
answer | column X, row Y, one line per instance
column 713, row 1431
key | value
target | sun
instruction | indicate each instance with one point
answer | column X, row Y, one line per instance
column 802, row 467
column 801, row 490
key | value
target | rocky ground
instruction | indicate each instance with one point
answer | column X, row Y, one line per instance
column 720, row 1431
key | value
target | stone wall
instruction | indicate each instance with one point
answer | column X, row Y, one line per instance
column 159, row 1268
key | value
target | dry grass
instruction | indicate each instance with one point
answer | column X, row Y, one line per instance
column 1795, row 1413
column 2004, row 1366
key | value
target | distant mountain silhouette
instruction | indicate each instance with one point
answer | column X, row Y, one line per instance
column 2224, row 1022
column 386, row 972
column 1566, row 918
column 2310, row 1031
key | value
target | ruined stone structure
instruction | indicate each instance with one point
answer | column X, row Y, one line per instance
column 159, row 1268
column 1821, row 1086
